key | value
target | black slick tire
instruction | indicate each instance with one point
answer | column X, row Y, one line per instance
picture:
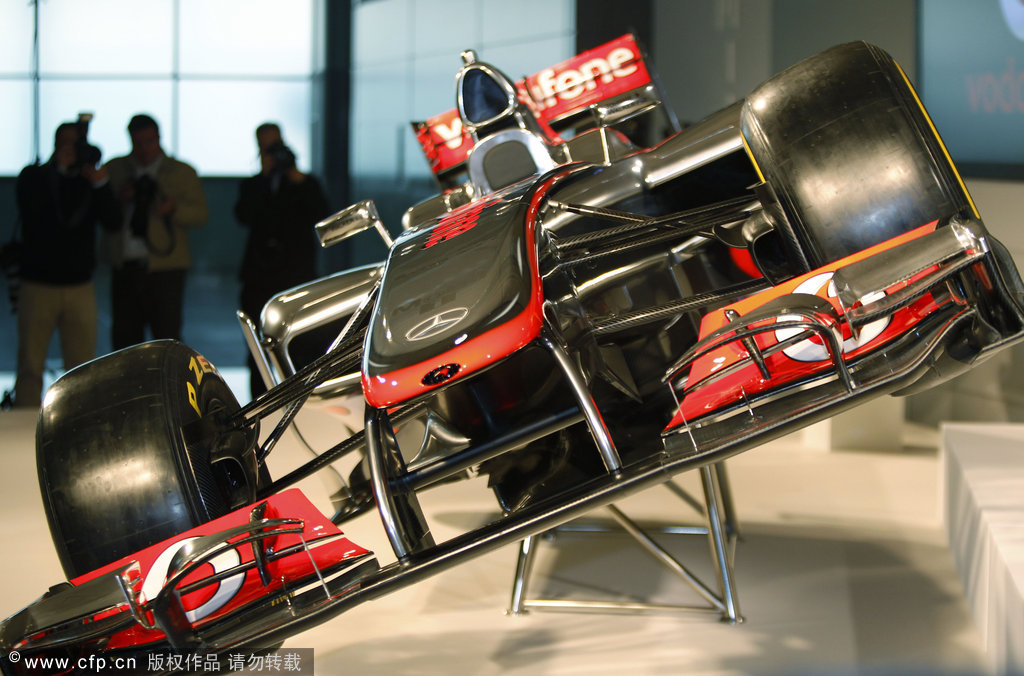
column 115, row 471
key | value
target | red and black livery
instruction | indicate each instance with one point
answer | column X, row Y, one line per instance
column 596, row 300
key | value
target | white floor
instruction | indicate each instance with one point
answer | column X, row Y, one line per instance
column 843, row 569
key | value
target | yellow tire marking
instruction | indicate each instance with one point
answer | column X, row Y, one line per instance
column 935, row 133
column 193, row 399
column 931, row 125
column 194, row 365
column 746, row 147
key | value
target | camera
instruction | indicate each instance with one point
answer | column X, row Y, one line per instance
column 284, row 158
column 146, row 191
column 85, row 152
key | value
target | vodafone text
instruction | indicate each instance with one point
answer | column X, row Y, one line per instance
column 572, row 82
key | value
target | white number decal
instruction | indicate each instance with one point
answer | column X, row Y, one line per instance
column 226, row 588
column 813, row 350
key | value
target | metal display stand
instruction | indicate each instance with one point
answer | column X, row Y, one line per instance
column 720, row 530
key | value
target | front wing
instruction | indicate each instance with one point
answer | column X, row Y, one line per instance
column 903, row 315
column 236, row 582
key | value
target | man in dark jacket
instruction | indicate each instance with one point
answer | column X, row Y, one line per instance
column 280, row 206
column 161, row 200
column 59, row 203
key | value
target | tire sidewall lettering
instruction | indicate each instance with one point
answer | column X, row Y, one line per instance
column 198, row 366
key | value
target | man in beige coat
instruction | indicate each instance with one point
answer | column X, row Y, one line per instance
column 161, row 199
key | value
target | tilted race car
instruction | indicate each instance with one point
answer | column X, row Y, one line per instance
column 595, row 302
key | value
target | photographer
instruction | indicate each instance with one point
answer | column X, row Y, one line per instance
column 161, row 199
column 60, row 203
column 279, row 206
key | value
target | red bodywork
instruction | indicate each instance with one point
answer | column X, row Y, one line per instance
column 806, row 359
column 477, row 352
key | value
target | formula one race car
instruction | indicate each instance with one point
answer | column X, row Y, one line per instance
column 593, row 303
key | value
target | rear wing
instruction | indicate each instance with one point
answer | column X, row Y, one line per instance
column 444, row 142
column 561, row 97
column 565, row 91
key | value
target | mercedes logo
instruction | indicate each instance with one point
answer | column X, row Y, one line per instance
column 436, row 324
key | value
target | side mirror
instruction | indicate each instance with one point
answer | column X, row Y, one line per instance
column 351, row 221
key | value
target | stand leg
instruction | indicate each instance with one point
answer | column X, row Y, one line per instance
column 524, row 564
column 664, row 557
column 720, row 530
column 732, row 527
column 719, row 544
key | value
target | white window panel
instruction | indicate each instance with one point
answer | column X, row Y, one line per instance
column 123, row 37
column 16, row 20
column 113, row 103
column 447, row 27
column 381, row 92
column 218, row 121
column 433, row 84
column 377, row 150
column 250, row 60
column 517, row 62
column 527, row 21
column 16, row 149
column 381, row 31
column 246, row 37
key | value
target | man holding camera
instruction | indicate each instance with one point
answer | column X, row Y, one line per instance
column 59, row 204
column 161, row 199
column 279, row 206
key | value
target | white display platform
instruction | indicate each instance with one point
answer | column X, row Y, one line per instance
column 871, row 426
column 983, row 510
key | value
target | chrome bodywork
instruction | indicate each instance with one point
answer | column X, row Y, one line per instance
column 332, row 298
column 301, row 309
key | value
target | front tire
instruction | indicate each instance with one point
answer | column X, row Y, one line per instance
column 121, row 464
column 843, row 142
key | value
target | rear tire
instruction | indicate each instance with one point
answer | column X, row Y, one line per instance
column 115, row 469
column 842, row 141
